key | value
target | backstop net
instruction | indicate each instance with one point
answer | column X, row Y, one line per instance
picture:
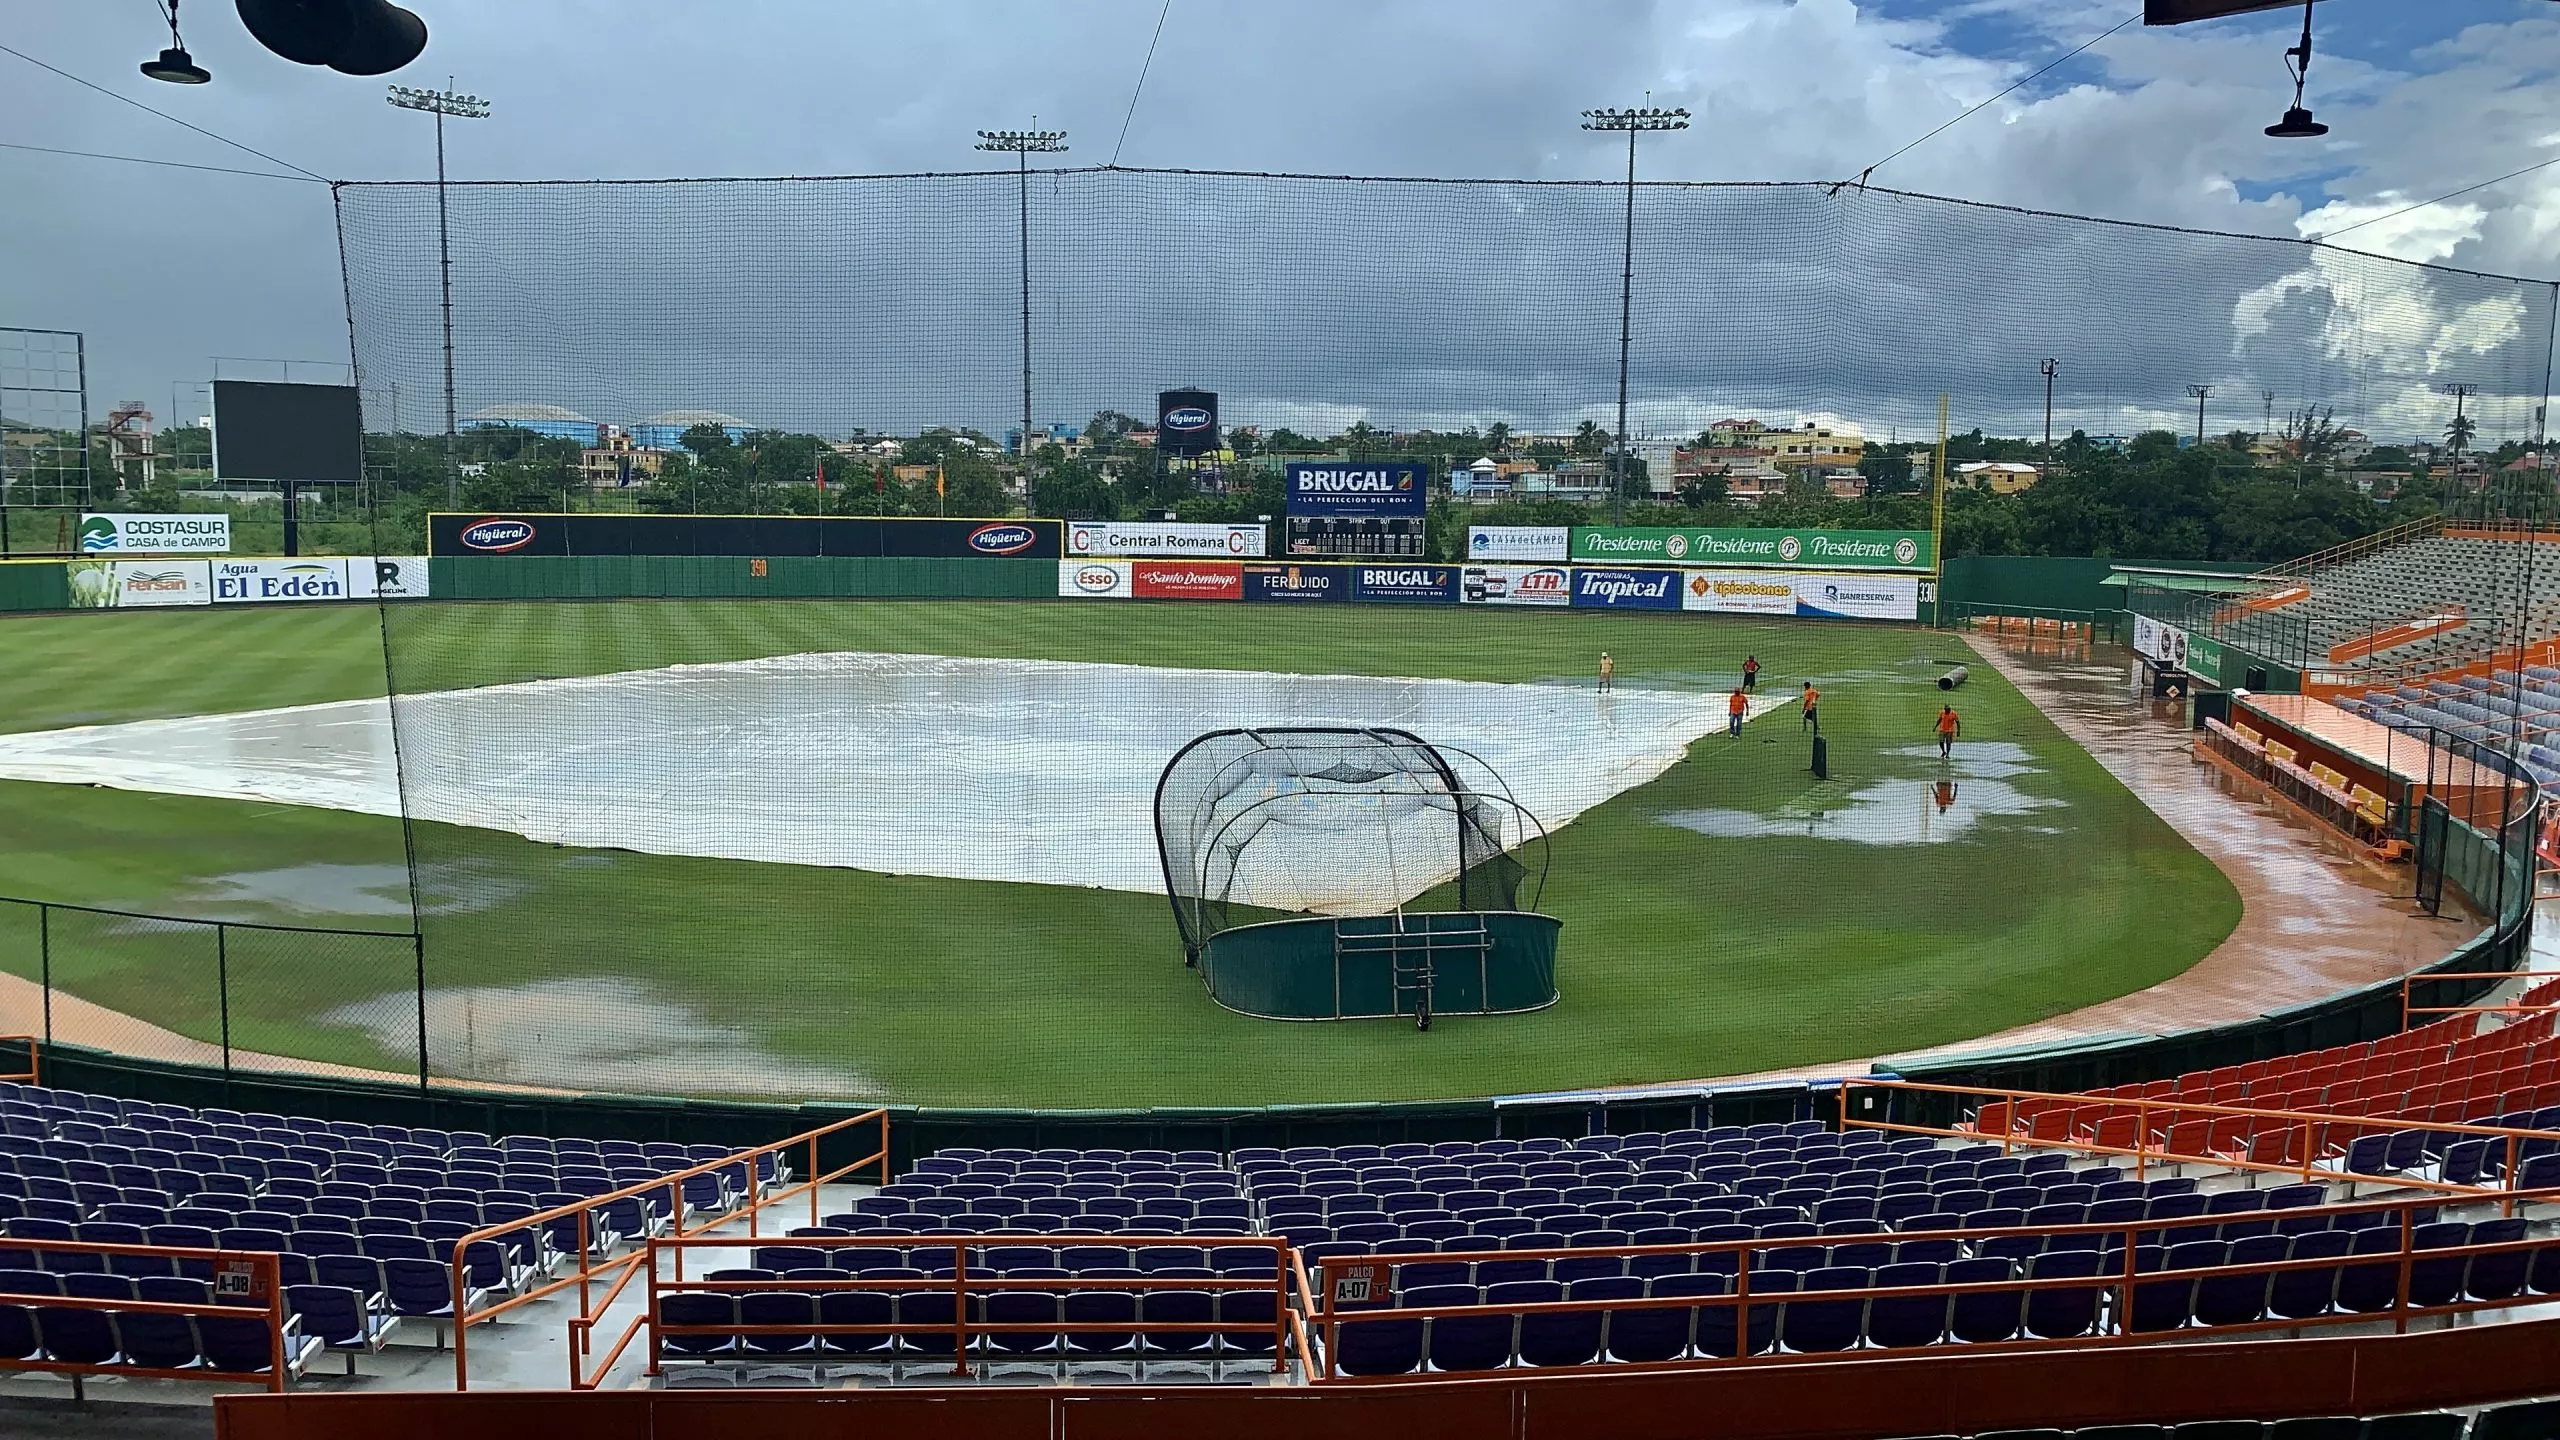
column 881, row 827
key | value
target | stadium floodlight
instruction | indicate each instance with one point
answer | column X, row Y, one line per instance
column 1022, row 145
column 2049, row 367
column 2297, row 123
column 441, row 103
column 2200, row 392
column 174, row 64
column 1634, row 122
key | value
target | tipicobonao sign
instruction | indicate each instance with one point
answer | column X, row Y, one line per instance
column 1812, row 549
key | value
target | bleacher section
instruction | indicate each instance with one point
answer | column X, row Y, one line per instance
column 2446, row 1072
column 363, row 1220
column 2365, row 592
column 2479, row 708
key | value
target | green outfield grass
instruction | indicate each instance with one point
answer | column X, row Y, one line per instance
column 1684, row 954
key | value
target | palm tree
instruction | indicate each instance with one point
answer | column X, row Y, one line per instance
column 1589, row 438
column 2459, row 433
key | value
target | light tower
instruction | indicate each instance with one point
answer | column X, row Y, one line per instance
column 1022, row 145
column 441, row 103
column 2200, row 392
column 1634, row 122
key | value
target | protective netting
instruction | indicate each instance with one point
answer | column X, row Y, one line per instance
column 900, row 847
column 1264, row 822
column 892, row 304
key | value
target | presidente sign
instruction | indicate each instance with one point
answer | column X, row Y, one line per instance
column 1372, row 488
column 1811, row 549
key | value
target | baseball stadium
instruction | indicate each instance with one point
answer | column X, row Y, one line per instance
column 1306, row 903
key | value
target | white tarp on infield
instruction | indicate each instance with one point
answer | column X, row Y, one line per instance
column 1017, row 770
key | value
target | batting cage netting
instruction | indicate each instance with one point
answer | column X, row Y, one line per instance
column 852, row 798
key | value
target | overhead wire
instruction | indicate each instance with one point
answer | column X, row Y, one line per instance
column 165, row 115
column 170, row 164
column 1135, row 90
column 2328, row 235
column 2010, row 89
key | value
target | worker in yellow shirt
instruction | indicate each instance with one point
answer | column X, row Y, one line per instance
column 1608, row 673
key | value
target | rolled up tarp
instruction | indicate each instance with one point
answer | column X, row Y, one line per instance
column 1952, row 678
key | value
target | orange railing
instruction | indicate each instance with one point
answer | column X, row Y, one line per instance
column 964, row 1288
column 622, row 1267
column 244, row 1281
column 2315, row 1135
column 1756, row 1322
column 33, row 1074
column 2524, row 1005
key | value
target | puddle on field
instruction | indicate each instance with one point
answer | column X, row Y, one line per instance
column 351, row 890
column 600, row 1034
column 1936, row 803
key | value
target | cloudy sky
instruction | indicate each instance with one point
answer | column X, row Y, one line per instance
column 166, row 270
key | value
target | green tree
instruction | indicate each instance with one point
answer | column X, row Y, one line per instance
column 1887, row 469
column 1589, row 439
column 2459, row 432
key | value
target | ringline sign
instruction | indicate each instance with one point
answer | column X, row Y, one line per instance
column 1815, row 549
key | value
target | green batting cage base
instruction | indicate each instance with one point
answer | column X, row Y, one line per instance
column 1376, row 967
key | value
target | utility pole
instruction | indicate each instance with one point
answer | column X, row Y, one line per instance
column 2270, row 397
column 1022, row 145
column 2199, row 391
column 2050, row 367
column 1633, row 122
column 441, row 103
column 2461, row 392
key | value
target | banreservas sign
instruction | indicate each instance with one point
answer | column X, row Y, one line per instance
column 1813, row 549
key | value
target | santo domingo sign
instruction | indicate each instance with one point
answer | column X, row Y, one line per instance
column 1811, row 549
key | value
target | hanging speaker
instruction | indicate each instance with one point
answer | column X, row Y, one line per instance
column 356, row 37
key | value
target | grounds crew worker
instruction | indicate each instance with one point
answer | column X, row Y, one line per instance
column 1948, row 726
column 1734, row 706
column 1812, row 698
column 1750, row 673
column 1608, row 673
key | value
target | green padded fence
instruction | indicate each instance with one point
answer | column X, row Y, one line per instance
column 782, row 577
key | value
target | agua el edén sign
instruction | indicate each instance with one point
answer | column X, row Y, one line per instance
column 1812, row 549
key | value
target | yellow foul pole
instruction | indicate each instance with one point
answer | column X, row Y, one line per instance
column 1938, row 513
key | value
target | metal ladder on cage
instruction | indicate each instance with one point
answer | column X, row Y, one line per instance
column 1413, row 956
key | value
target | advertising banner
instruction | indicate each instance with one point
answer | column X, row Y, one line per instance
column 1154, row 537
column 155, row 534
column 1186, row 580
column 387, row 577
column 1858, row 597
column 1410, row 584
column 1093, row 579
column 1297, row 582
column 127, row 584
column 1738, row 592
column 1519, row 542
column 1627, row 589
column 1357, row 487
column 2166, row 644
column 1515, row 585
column 2204, row 659
column 267, row 582
column 754, row 536
column 1817, row 549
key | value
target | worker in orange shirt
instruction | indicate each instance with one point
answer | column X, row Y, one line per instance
column 1734, row 706
column 1948, row 728
column 1811, row 720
